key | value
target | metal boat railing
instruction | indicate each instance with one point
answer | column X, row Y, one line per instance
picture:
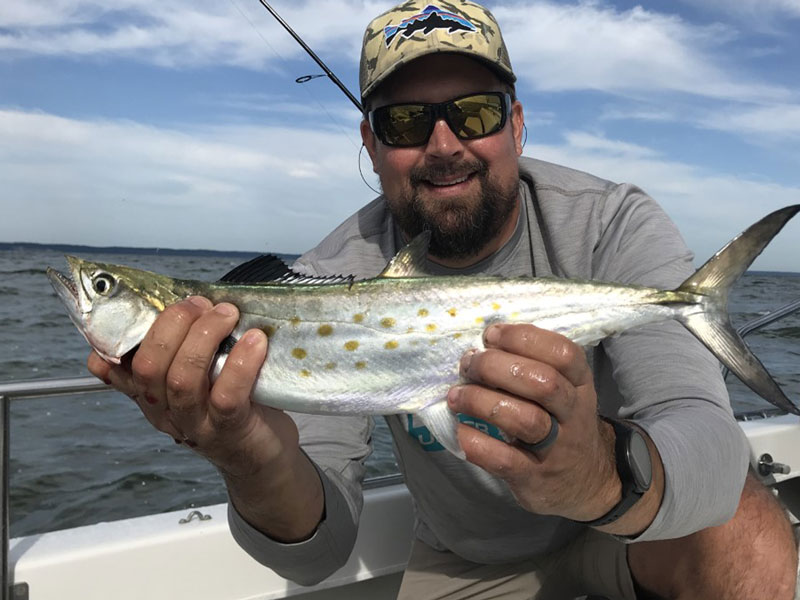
column 38, row 388
column 18, row 390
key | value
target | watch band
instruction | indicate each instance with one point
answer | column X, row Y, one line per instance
column 630, row 492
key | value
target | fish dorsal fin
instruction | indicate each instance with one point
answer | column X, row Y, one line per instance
column 410, row 261
column 268, row 268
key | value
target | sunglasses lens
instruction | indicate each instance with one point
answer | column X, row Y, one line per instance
column 404, row 124
column 476, row 116
column 469, row 118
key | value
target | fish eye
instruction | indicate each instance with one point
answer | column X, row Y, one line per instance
column 103, row 284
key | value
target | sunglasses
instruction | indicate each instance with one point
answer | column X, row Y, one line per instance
column 469, row 118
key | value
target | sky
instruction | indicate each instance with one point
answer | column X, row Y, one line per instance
column 177, row 124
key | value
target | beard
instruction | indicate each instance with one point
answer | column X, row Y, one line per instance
column 460, row 228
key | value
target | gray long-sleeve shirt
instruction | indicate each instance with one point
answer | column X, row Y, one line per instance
column 572, row 225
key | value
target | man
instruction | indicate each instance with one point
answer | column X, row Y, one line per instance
column 558, row 513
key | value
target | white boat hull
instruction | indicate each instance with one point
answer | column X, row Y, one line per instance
column 156, row 557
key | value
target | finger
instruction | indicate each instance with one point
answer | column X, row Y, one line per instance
column 229, row 399
column 495, row 456
column 121, row 379
column 115, row 375
column 525, row 421
column 187, row 379
column 541, row 345
column 98, row 367
column 524, row 377
column 152, row 360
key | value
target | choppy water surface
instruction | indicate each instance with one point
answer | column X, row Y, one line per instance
column 92, row 458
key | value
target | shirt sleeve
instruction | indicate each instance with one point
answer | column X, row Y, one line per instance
column 669, row 383
column 338, row 447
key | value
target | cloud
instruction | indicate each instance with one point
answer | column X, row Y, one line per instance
column 103, row 182
column 752, row 13
column 180, row 33
column 594, row 46
column 708, row 206
column 780, row 121
column 554, row 46
column 766, row 125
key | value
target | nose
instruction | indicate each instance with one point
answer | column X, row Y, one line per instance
column 443, row 143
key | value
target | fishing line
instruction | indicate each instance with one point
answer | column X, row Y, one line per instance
column 360, row 172
column 306, row 77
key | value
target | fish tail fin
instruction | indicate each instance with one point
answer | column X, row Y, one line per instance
column 713, row 327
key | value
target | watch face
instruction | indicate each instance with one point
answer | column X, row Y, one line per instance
column 640, row 461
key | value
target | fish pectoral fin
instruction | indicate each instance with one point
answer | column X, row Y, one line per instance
column 443, row 424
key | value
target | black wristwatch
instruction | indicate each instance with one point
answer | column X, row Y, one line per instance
column 633, row 467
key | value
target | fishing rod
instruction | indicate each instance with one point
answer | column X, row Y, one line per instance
column 318, row 60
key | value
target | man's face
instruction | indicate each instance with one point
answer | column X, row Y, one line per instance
column 464, row 191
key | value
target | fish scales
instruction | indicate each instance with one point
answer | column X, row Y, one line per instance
column 403, row 338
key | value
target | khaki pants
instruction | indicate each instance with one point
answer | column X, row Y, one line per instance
column 592, row 564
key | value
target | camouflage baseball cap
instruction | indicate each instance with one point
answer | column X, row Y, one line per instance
column 416, row 28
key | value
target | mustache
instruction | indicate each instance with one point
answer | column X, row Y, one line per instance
column 441, row 171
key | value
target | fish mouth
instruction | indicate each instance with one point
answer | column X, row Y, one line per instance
column 67, row 291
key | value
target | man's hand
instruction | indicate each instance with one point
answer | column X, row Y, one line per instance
column 525, row 375
column 254, row 446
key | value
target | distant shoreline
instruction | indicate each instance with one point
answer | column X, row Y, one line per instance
column 22, row 246
column 72, row 248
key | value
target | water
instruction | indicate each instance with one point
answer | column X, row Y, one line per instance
column 77, row 460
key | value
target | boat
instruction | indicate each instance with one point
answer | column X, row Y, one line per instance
column 191, row 554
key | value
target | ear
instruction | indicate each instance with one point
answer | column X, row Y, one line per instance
column 517, row 125
column 368, row 139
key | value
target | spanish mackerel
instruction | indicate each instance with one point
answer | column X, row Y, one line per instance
column 392, row 344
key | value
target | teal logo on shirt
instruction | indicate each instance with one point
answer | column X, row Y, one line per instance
column 429, row 443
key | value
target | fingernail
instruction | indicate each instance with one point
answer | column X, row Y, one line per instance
column 199, row 301
column 229, row 310
column 151, row 399
column 254, row 337
column 492, row 334
column 467, row 359
column 452, row 396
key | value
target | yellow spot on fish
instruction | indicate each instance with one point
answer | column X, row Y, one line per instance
column 515, row 315
column 305, row 373
column 388, row 322
column 351, row 345
column 410, row 330
column 362, row 364
column 430, row 327
column 299, row 353
column 269, row 330
column 422, row 312
column 433, row 342
column 325, row 330
column 390, row 345
column 452, row 312
column 495, row 306
column 479, row 320
column 358, row 318
column 295, row 321
column 456, row 336
column 330, row 366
